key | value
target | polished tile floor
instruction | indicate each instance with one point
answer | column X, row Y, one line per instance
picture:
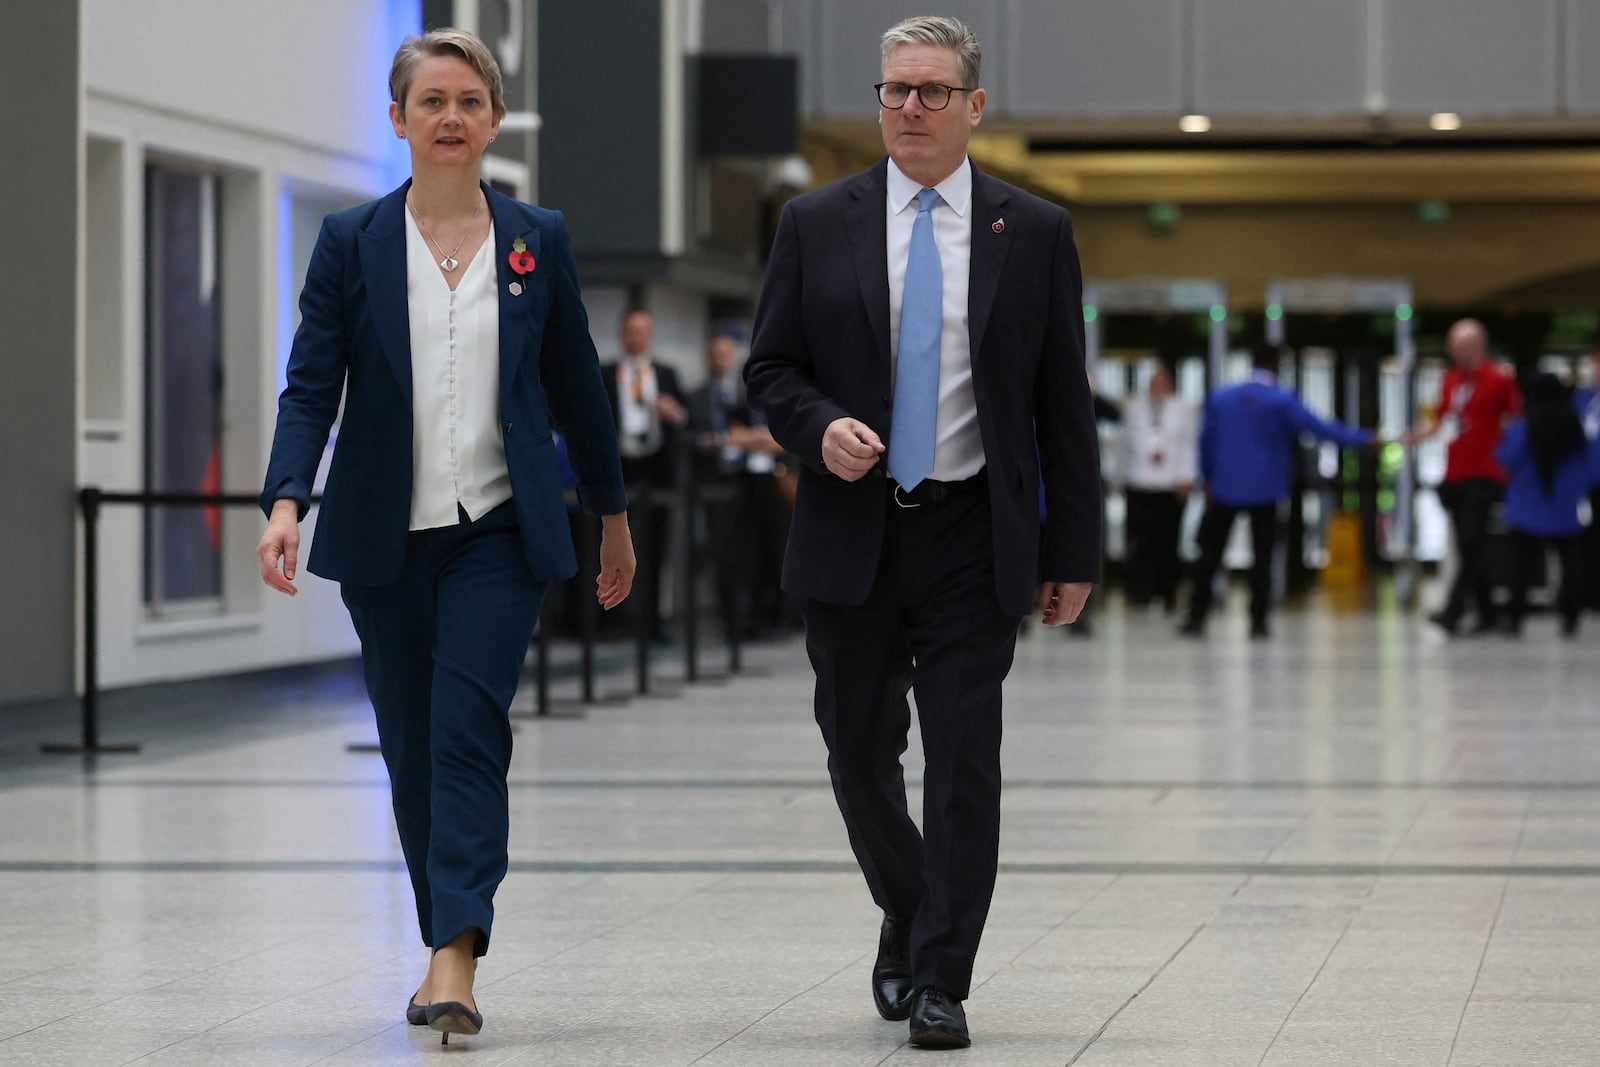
column 1357, row 844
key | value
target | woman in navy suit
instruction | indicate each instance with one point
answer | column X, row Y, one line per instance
column 448, row 318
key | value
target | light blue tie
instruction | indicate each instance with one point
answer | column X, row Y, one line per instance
column 916, row 378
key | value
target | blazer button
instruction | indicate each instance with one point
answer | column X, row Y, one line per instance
column 508, row 429
column 885, row 400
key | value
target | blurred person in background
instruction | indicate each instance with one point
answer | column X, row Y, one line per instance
column 746, row 534
column 447, row 318
column 1249, row 438
column 650, row 410
column 1587, row 401
column 1550, row 463
column 1156, row 465
column 1475, row 401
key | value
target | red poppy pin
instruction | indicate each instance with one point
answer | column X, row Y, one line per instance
column 522, row 262
column 999, row 226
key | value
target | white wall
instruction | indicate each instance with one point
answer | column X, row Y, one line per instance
column 286, row 101
column 310, row 72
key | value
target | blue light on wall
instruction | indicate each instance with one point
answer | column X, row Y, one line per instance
column 399, row 19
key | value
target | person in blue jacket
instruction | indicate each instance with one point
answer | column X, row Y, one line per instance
column 1587, row 401
column 1551, row 464
column 1248, row 444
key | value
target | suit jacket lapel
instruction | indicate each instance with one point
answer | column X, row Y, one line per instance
column 383, row 266
column 869, row 246
column 516, row 312
column 990, row 247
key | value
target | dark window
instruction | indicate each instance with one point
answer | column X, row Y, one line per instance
column 183, row 384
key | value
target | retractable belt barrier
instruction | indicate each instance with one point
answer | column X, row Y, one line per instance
column 684, row 502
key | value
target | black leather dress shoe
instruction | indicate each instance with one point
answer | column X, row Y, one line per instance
column 938, row 1020
column 891, row 974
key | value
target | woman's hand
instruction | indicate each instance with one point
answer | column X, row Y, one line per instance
column 617, row 564
column 281, row 544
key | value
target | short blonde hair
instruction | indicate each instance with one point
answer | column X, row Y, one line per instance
column 941, row 32
column 446, row 42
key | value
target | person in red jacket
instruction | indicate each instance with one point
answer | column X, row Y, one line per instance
column 1475, row 402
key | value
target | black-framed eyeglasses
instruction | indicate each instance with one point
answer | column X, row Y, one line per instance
column 933, row 96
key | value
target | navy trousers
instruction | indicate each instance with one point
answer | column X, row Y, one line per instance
column 933, row 625
column 442, row 648
column 1216, row 525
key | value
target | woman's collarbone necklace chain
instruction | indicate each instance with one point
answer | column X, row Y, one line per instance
column 449, row 262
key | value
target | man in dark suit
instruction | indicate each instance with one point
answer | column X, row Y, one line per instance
column 919, row 330
column 649, row 409
column 747, row 523
column 1249, row 439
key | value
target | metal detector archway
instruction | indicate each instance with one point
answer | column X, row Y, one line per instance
column 1338, row 295
column 1158, row 296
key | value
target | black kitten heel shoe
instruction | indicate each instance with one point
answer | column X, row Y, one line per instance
column 453, row 1017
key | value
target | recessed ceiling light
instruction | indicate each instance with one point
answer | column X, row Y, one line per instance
column 1445, row 121
column 1194, row 124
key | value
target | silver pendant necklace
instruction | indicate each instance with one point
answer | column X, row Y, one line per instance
column 449, row 262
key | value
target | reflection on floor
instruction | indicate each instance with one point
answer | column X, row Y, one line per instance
column 1354, row 844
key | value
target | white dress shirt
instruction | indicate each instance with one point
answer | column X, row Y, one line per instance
column 958, row 448
column 638, row 422
column 457, row 454
column 1156, row 452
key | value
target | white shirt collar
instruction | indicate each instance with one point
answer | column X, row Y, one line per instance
column 956, row 190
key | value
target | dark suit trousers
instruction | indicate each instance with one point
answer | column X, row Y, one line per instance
column 1470, row 502
column 1591, row 553
column 1154, row 524
column 442, row 648
column 932, row 624
column 1216, row 524
column 1527, row 553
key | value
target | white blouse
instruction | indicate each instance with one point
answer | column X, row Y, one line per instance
column 1157, row 449
column 457, row 454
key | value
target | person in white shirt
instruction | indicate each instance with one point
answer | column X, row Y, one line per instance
column 1156, row 466
column 446, row 318
column 650, row 410
column 747, row 527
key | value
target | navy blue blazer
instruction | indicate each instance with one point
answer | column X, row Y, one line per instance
column 1248, row 440
column 820, row 351
column 354, row 341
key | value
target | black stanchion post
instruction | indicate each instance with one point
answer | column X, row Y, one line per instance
column 588, row 609
column 736, row 594
column 89, row 503
column 91, row 618
column 689, row 599
column 735, row 621
column 541, row 669
column 645, row 618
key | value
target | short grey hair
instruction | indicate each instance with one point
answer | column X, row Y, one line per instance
column 942, row 32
